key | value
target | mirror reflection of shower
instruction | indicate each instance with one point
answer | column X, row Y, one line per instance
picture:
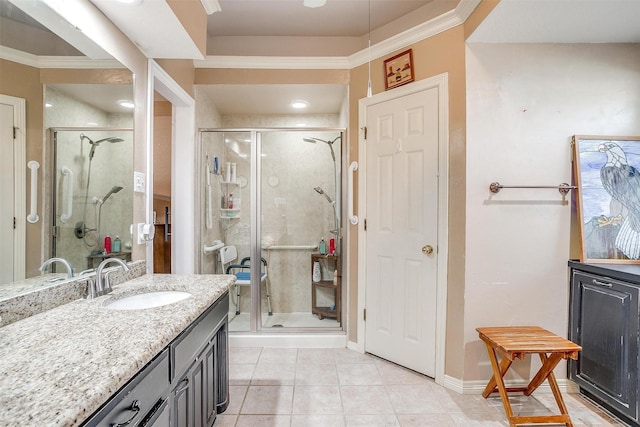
column 81, row 230
column 332, row 202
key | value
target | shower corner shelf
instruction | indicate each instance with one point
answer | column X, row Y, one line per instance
column 229, row 213
column 332, row 264
column 225, row 189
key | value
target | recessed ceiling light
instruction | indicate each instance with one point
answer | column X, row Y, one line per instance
column 126, row 104
column 314, row 3
column 130, row 2
column 92, row 124
column 301, row 125
column 48, row 105
column 299, row 103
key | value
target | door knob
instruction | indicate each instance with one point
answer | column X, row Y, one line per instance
column 427, row 249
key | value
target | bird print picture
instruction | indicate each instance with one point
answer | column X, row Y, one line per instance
column 607, row 172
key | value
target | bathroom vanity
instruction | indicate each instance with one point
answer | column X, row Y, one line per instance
column 85, row 363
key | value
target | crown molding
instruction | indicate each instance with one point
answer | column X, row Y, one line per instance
column 275, row 62
column 420, row 32
column 76, row 62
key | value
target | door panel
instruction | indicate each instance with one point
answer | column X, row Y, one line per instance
column 6, row 194
column 402, row 207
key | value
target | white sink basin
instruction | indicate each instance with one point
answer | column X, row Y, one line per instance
column 148, row 300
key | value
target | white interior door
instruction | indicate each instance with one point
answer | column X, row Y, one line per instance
column 401, row 225
column 7, row 188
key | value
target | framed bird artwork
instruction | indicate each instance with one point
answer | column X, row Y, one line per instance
column 607, row 174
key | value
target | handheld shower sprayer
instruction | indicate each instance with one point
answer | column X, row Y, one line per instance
column 319, row 190
column 113, row 190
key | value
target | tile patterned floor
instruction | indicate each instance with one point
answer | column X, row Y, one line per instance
column 284, row 387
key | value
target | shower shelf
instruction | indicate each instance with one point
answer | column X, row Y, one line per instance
column 332, row 265
column 227, row 188
column 229, row 213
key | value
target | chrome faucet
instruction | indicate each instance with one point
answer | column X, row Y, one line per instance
column 102, row 283
column 50, row 261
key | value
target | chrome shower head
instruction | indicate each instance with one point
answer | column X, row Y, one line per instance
column 94, row 144
column 111, row 139
column 313, row 140
column 113, row 190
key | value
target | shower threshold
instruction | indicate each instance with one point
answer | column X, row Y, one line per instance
column 240, row 322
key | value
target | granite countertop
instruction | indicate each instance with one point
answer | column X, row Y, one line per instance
column 60, row 366
column 30, row 284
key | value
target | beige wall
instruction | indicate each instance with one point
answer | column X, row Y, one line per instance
column 193, row 18
column 443, row 53
column 162, row 150
column 180, row 70
column 22, row 81
column 252, row 76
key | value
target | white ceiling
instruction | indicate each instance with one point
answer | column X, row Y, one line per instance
column 561, row 21
column 104, row 97
column 275, row 99
column 154, row 28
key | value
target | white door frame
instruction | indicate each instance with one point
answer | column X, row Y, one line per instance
column 441, row 83
column 183, row 225
column 20, row 189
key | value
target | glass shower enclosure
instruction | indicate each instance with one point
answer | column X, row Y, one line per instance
column 92, row 194
column 271, row 203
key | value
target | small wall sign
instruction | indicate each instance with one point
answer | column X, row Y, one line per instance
column 398, row 70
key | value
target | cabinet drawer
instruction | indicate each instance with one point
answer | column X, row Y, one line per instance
column 189, row 344
column 145, row 389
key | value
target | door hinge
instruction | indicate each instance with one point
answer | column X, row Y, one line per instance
column 364, row 314
column 364, row 130
column 365, row 224
column 14, row 222
column 15, row 129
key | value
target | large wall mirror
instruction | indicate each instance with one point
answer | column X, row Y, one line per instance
column 80, row 133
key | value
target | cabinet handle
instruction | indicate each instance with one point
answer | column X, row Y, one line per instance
column 136, row 409
column 597, row 282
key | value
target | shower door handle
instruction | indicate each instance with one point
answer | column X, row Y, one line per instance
column 167, row 234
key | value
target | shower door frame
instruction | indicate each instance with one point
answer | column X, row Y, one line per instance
column 255, row 233
column 50, row 159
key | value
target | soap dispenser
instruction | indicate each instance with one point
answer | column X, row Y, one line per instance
column 322, row 247
column 116, row 244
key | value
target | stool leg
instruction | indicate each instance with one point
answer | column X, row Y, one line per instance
column 237, row 299
column 556, row 391
column 497, row 375
column 266, row 286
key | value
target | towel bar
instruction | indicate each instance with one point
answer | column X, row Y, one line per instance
column 563, row 188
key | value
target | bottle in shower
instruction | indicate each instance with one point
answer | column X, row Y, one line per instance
column 322, row 247
column 107, row 244
column 117, row 247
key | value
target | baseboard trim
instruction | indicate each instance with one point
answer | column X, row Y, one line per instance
column 311, row 340
column 477, row 387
